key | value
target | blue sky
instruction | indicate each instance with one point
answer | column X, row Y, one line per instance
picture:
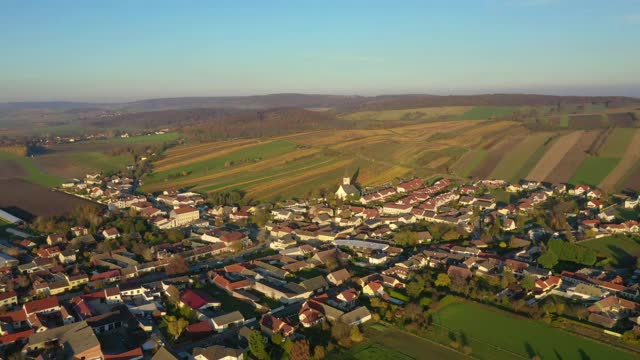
column 124, row 50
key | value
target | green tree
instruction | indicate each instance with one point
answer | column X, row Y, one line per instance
column 257, row 346
column 443, row 280
column 528, row 283
column 415, row 288
column 355, row 335
column 319, row 352
column 175, row 326
column 548, row 260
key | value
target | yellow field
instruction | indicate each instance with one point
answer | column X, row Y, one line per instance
column 554, row 155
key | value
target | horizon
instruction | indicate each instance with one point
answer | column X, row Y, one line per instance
column 116, row 52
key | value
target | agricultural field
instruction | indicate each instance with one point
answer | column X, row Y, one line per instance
column 13, row 166
column 553, row 155
column 570, row 162
column 630, row 157
column 385, row 342
column 496, row 335
column 623, row 249
column 300, row 163
column 593, row 170
column 488, row 112
column 419, row 114
column 518, row 161
column 27, row 200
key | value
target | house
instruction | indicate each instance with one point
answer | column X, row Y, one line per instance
column 54, row 239
column 198, row 300
column 73, row 341
column 357, row 316
column 8, row 299
column 548, row 284
column 222, row 322
column 271, row 325
column 594, row 204
column 315, row 311
column 373, row 288
column 184, row 215
column 347, row 190
column 409, row 186
column 608, row 311
column 46, row 305
column 339, row 277
column 110, row 233
column 217, row 352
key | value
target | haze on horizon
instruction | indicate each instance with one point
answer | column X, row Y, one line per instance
column 123, row 51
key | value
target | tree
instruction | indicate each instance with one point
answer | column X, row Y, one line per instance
column 406, row 238
column 340, row 330
column 412, row 311
column 356, row 336
column 415, row 288
column 175, row 326
column 257, row 346
column 300, row 350
column 443, row 280
column 548, row 260
column 177, row 265
column 528, row 283
column 319, row 352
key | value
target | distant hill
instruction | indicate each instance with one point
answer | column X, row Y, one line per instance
column 340, row 102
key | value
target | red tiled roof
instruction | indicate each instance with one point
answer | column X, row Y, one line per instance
column 10, row 338
column 41, row 305
column 200, row 328
column 196, row 299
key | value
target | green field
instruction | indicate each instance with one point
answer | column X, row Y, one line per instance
column 386, row 343
column 33, row 172
column 251, row 154
column 593, row 170
column 564, row 121
column 488, row 112
column 623, row 249
column 470, row 161
column 496, row 335
column 517, row 163
column 617, row 143
column 101, row 161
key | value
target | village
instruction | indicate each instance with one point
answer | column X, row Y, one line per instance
column 183, row 275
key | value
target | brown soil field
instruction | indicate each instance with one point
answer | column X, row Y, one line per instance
column 633, row 181
column 621, row 119
column 27, row 200
column 495, row 154
column 553, row 156
column 10, row 169
column 631, row 157
column 593, row 121
column 567, row 166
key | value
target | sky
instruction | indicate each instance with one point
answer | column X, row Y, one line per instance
column 117, row 50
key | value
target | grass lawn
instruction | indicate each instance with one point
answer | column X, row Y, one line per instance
column 33, row 173
column 497, row 335
column 487, row 112
column 623, row 248
column 385, row 342
column 229, row 303
column 617, row 143
column 593, row 170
